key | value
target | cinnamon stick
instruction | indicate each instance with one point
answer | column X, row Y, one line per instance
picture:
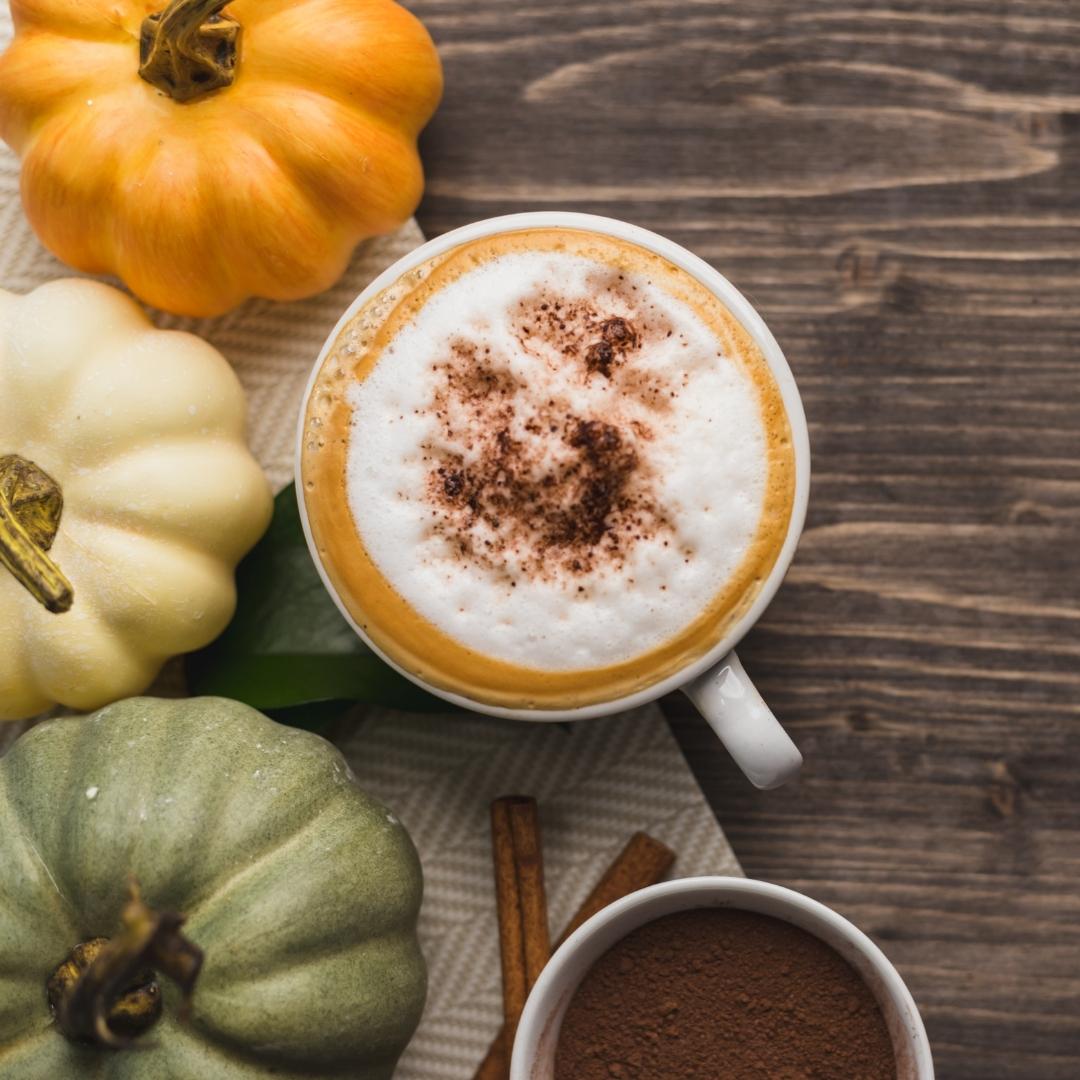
column 644, row 861
column 524, row 943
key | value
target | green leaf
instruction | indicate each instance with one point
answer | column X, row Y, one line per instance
column 288, row 647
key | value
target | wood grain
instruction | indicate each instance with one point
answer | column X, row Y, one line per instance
column 894, row 186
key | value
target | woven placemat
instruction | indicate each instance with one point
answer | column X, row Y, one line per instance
column 597, row 782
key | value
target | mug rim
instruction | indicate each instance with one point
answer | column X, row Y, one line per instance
column 549, row 997
column 743, row 311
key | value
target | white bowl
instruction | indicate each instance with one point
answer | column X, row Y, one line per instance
column 538, row 1032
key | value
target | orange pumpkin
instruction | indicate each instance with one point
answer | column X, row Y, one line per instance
column 205, row 157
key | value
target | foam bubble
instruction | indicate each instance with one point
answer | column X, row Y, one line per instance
column 554, row 463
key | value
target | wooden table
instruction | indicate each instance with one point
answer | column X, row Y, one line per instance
column 894, row 185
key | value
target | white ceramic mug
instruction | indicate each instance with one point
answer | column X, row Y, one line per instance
column 716, row 683
column 538, row 1032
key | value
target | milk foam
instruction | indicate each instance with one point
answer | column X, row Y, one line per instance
column 476, row 407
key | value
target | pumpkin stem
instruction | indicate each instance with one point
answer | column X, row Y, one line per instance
column 105, row 991
column 189, row 49
column 30, row 507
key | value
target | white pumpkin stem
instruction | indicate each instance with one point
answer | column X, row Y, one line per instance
column 31, row 503
column 189, row 49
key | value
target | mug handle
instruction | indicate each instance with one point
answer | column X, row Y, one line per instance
column 728, row 700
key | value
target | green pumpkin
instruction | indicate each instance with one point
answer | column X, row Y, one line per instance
column 301, row 892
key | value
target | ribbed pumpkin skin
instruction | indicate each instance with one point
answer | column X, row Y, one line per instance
column 261, row 188
column 302, row 891
column 143, row 429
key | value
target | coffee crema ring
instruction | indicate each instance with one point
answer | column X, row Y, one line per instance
column 546, row 468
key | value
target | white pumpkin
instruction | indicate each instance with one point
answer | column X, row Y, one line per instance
column 140, row 432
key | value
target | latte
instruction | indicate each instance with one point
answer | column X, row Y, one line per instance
column 546, row 469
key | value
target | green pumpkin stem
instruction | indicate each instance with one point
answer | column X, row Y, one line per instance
column 31, row 503
column 189, row 49
column 105, row 992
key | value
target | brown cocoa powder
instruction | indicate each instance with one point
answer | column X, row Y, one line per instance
column 719, row 994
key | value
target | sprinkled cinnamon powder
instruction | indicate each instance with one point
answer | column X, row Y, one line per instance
column 548, row 487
